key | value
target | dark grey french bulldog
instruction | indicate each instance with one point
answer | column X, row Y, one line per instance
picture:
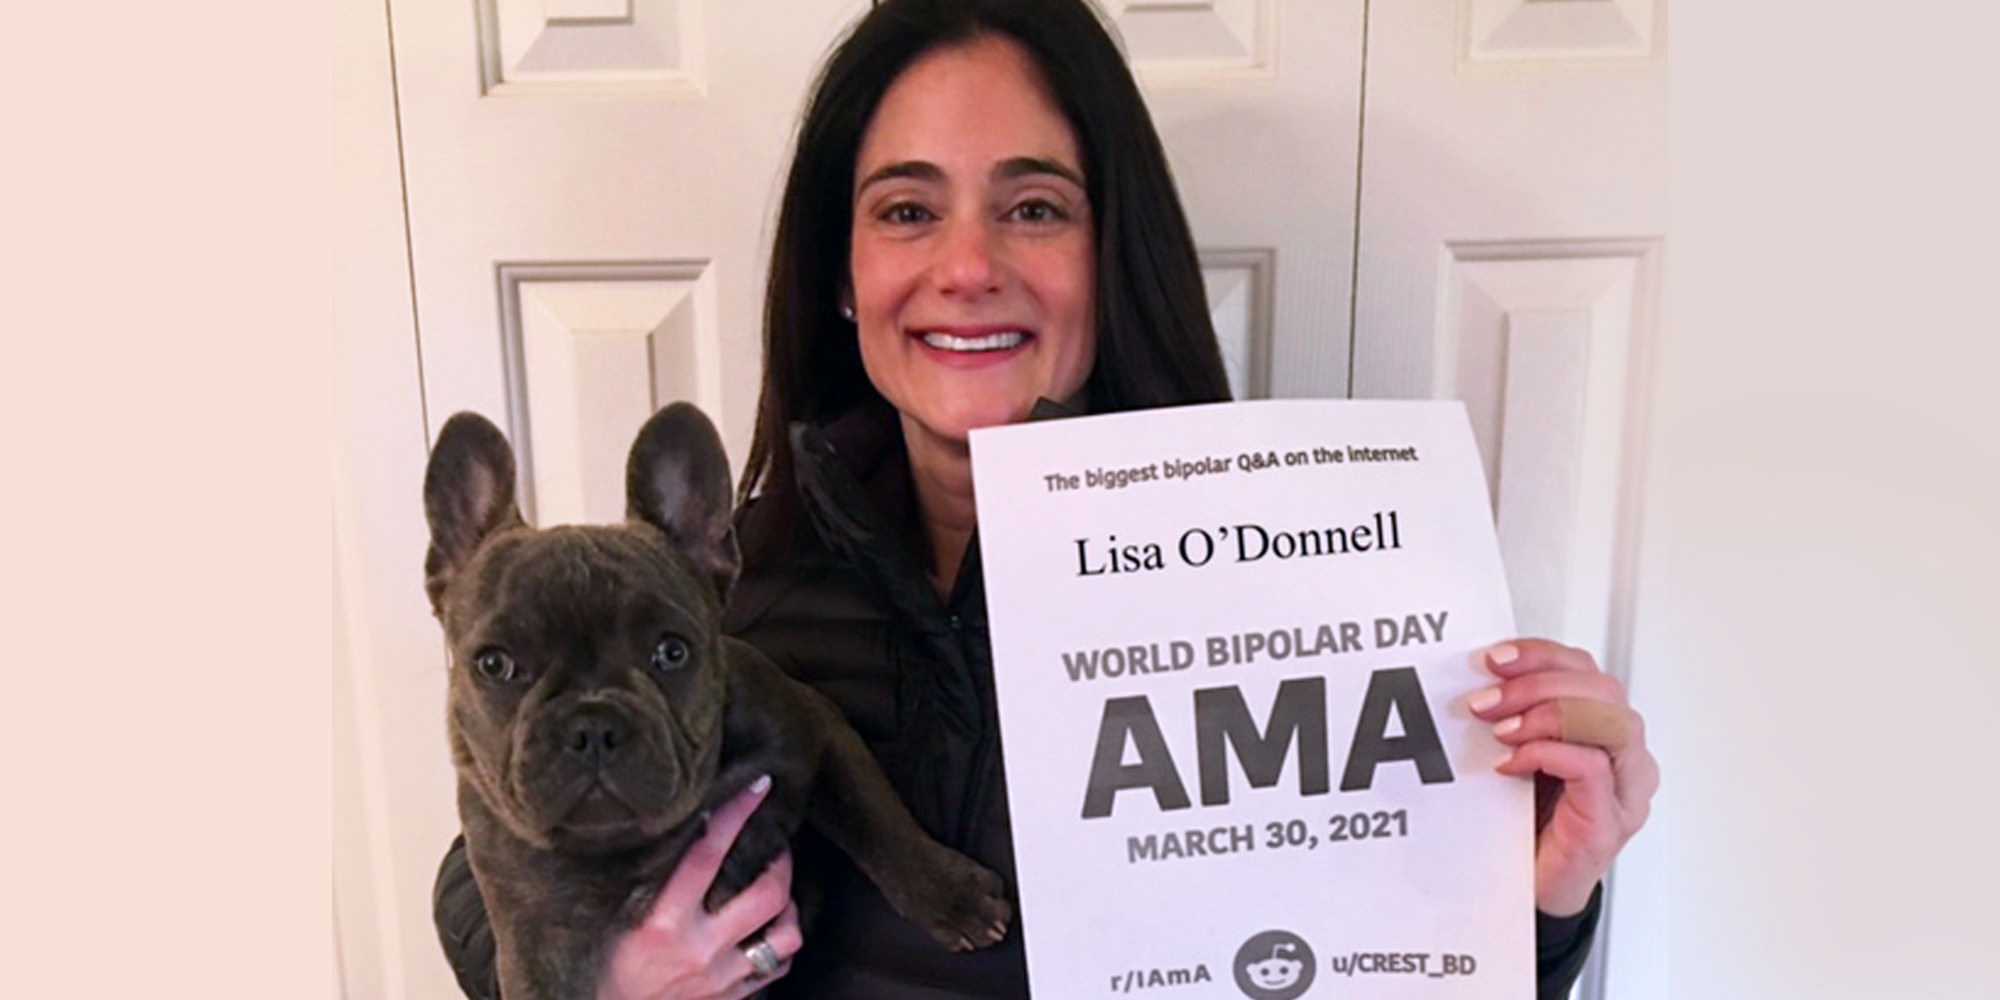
column 597, row 714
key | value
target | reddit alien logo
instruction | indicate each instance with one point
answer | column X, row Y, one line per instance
column 1274, row 965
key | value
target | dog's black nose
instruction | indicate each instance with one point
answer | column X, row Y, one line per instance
column 595, row 737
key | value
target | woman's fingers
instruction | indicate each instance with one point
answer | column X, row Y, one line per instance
column 1582, row 721
column 682, row 950
column 1519, row 656
column 784, row 934
column 1580, row 768
column 760, row 902
column 1589, row 788
column 1567, row 720
column 1638, row 775
column 785, row 940
column 1551, row 691
column 689, row 883
column 1518, row 694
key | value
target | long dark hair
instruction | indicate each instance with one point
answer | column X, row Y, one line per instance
column 1155, row 344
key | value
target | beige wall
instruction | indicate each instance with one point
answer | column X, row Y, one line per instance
column 1816, row 634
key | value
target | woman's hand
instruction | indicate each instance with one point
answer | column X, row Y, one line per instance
column 683, row 952
column 1569, row 725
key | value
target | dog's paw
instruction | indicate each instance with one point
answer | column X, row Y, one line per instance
column 961, row 905
column 758, row 844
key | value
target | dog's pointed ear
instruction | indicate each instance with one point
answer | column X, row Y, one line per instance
column 677, row 480
column 468, row 496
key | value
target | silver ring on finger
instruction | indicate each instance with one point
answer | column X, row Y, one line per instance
column 763, row 958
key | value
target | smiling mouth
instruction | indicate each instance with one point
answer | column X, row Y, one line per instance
column 981, row 344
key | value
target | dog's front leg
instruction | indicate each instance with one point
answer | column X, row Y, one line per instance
column 548, row 944
column 960, row 903
column 764, row 734
column 542, row 961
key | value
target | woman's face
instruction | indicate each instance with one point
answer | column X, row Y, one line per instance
column 972, row 250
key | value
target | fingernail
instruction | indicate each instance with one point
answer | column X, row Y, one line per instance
column 761, row 785
column 1507, row 725
column 1502, row 654
column 1483, row 700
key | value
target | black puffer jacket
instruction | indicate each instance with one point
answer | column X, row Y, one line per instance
column 848, row 608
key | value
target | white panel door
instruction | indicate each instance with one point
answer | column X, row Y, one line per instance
column 588, row 187
column 1513, row 205
column 585, row 187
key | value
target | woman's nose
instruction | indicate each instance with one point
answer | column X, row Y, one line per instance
column 968, row 266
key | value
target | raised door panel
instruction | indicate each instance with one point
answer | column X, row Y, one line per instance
column 590, row 46
column 1545, row 343
column 590, row 352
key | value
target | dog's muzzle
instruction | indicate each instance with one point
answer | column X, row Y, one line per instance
column 594, row 735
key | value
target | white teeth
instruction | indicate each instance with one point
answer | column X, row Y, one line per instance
column 990, row 342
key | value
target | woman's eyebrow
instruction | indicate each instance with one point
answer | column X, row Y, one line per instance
column 922, row 170
column 1017, row 167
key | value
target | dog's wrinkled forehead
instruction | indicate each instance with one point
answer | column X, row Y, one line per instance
column 577, row 576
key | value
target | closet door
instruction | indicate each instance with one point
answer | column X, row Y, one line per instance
column 577, row 195
column 587, row 188
column 1513, row 209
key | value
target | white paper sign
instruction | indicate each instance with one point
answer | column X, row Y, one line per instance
column 1233, row 646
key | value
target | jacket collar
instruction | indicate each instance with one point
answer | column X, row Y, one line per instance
column 854, row 483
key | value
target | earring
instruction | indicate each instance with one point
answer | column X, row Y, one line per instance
column 847, row 312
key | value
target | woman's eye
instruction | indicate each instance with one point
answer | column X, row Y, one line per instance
column 494, row 665
column 906, row 213
column 671, row 652
column 1039, row 211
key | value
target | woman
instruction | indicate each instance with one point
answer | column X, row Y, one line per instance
column 978, row 218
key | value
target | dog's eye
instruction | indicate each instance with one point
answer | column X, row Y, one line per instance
column 494, row 664
column 671, row 652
